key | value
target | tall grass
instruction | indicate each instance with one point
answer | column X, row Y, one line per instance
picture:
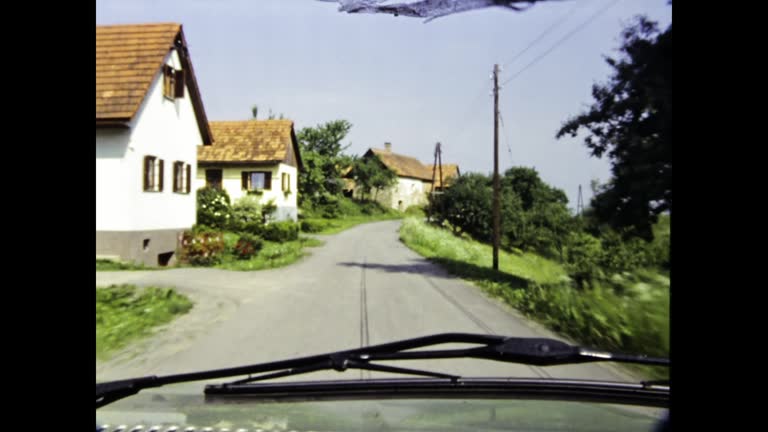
column 629, row 313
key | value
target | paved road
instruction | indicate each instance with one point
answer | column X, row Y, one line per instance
column 362, row 287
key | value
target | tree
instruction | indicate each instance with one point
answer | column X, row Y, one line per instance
column 321, row 148
column 466, row 205
column 371, row 175
column 535, row 215
column 631, row 122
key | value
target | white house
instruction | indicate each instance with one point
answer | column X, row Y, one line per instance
column 149, row 123
column 253, row 157
column 414, row 179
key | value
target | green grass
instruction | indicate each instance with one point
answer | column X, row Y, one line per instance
column 272, row 255
column 124, row 314
column 109, row 265
column 455, row 253
column 628, row 313
column 337, row 225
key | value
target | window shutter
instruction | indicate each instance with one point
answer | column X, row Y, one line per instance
column 146, row 172
column 245, row 180
column 176, row 170
column 268, row 181
column 179, row 84
column 160, row 181
column 189, row 179
column 167, row 80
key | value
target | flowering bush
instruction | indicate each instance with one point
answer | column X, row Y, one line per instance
column 213, row 208
column 247, row 246
column 201, row 247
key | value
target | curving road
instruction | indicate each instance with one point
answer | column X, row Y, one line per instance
column 362, row 287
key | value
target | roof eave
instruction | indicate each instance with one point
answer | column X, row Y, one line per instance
column 122, row 123
column 194, row 91
column 238, row 163
column 295, row 143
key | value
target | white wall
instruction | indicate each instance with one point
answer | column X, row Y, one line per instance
column 163, row 128
column 232, row 183
column 409, row 191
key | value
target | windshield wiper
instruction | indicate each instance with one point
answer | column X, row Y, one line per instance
column 528, row 351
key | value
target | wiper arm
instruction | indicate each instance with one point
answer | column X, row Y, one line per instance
column 529, row 351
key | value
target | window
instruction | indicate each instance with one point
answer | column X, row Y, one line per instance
column 257, row 180
column 213, row 178
column 286, row 182
column 173, row 82
column 153, row 174
column 181, row 177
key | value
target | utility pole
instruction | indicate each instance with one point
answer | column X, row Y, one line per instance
column 579, row 203
column 496, row 186
column 437, row 165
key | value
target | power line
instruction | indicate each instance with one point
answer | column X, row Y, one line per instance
column 541, row 36
column 563, row 39
column 464, row 124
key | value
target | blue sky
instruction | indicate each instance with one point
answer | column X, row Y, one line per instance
column 400, row 80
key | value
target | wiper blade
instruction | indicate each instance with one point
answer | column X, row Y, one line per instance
column 529, row 351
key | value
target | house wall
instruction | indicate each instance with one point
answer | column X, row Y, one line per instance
column 232, row 182
column 405, row 193
column 163, row 128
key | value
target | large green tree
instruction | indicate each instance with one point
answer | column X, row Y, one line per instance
column 631, row 122
column 321, row 154
column 535, row 214
column 466, row 205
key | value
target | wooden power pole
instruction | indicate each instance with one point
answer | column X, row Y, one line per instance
column 496, row 186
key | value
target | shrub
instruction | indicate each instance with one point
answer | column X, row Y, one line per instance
column 584, row 254
column 213, row 208
column 247, row 246
column 202, row 248
column 245, row 212
column 254, row 228
column 312, row 226
column 268, row 211
column 281, row 231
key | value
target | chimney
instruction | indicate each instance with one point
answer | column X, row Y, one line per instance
column 388, row 147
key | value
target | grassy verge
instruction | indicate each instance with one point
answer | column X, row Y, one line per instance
column 271, row 255
column 109, row 265
column 630, row 314
column 344, row 213
column 124, row 314
column 337, row 225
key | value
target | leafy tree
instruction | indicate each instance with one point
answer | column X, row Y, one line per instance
column 321, row 153
column 466, row 205
column 535, row 215
column 631, row 122
column 371, row 175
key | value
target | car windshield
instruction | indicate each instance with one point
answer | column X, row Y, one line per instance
column 281, row 179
